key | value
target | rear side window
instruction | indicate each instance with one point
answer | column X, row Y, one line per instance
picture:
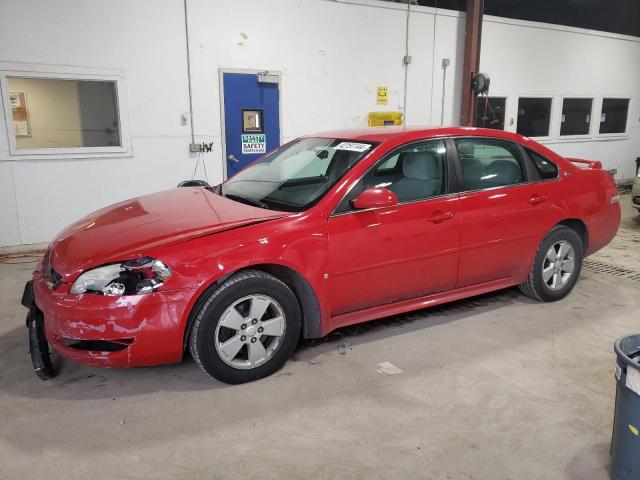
column 545, row 168
column 488, row 163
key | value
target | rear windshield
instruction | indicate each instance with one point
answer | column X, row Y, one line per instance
column 297, row 175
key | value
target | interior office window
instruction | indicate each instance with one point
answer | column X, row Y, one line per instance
column 488, row 163
column 59, row 113
column 534, row 115
column 576, row 116
column 545, row 169
column 613, row 118
column 490, row 112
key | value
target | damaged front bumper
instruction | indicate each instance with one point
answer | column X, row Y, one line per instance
column 38, row 345
column 125, row 331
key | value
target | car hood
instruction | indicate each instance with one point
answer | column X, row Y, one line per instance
column 125, row 230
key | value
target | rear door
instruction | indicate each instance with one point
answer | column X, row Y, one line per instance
column 504, row 211
column 390, row 254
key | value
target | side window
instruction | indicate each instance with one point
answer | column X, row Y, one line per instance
column 488, row 163
column 414, row 172
column 546, row 169
column 418, row 172
column 389, row 164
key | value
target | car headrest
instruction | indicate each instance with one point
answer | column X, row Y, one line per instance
column 419, row 166
column 465, row 149
column 504, row 171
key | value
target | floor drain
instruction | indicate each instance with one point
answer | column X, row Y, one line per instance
column 614, row 270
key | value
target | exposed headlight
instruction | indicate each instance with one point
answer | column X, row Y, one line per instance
column 133, row 277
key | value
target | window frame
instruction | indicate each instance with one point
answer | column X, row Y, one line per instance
column 578, row 136
column 451, row 183
column 624, row 134
column 526, row 161
column 8, row 70
column 552, row 113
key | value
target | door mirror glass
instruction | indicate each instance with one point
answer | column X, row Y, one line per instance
column 375, row 197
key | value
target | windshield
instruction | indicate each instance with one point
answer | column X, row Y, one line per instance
column 295, row 177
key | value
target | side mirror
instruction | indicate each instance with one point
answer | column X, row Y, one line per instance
column 375, row 197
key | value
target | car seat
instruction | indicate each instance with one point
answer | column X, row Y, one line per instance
column 421, row 177
column 503, row 172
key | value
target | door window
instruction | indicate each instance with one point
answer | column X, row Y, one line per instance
column 488, row 163
column 415, row 172
column 252, row 121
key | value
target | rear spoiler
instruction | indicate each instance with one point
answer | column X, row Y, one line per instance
column 592, row 164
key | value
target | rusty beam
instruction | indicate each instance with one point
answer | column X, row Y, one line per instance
column 472, row 42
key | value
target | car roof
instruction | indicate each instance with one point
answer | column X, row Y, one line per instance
column 401, row 134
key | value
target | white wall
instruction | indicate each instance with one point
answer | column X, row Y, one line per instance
column 332, row 55
column 532, row 59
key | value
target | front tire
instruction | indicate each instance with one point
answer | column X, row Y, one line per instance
column 556, row 267
column 246, row 329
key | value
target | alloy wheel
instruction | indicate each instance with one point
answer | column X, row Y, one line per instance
column 250, row 331
column 558, row 265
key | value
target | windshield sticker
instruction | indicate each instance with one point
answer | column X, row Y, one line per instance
column 254, row 144
column 353, row 147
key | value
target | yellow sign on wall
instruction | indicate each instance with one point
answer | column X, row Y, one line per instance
column 381, row 96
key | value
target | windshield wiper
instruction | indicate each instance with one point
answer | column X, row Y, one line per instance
column 248, row 201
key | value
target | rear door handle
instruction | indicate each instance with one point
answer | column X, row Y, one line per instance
column 537, row 199
column 440, row 216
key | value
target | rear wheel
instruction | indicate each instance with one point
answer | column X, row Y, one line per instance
column 557, row 266
column 247, row 328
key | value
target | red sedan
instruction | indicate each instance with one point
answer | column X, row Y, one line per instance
column 326, row 231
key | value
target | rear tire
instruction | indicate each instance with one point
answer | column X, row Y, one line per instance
column 246, row 329
column 556, row 266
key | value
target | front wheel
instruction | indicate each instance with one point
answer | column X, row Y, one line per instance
column 247, row 328
column 557, row 266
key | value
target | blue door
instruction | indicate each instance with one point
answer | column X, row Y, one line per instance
column 251, row 118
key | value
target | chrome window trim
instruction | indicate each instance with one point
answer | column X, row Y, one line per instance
column 522, row 184
column 399, row 204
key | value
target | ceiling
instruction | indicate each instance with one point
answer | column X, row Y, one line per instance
column 616, row 16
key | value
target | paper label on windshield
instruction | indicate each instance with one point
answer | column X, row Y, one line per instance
column 353, row 147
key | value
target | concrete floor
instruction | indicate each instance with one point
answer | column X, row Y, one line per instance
column 497, row 387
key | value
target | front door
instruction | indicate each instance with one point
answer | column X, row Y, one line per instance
column 251, row 117
column 396, row 253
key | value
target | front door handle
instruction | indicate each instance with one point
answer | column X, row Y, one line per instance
column 440, row 216
column 537, row 199
column 233, row 158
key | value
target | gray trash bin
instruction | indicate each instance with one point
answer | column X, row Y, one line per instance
column 625, row 442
